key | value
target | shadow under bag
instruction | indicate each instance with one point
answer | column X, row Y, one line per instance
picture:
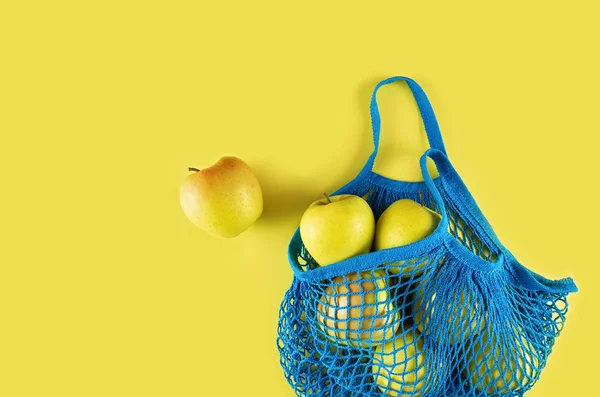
column 454, row 314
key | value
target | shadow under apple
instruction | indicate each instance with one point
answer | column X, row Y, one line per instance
column 285, row 196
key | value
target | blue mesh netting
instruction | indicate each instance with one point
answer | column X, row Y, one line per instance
column 454, row 314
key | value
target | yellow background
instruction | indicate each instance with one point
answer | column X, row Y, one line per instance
column 106, row 289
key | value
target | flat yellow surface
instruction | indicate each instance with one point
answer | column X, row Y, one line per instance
column 106, row 289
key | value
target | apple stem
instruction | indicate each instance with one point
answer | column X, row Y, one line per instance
column 421, row 198
column 193, row 169
column 327, row 197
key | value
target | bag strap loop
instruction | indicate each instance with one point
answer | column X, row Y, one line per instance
column 442, row 163
column 432, row 129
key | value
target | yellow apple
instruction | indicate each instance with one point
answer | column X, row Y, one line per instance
column 402, row 223
column 358, row 311
column 460, row 314
column 224, row 199
column 507, row 369
column 337, row 228
column 399, row 366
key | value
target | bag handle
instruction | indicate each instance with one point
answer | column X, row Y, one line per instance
column 432, row 129
column 451, row 178
column 442, row 163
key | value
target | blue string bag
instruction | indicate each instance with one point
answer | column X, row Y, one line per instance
column 454, row 314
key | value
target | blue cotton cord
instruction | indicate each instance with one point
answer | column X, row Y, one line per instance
column 471, row 321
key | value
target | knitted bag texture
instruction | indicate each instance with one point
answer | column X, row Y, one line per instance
column 454, row 314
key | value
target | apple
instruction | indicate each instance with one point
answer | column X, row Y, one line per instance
column 224, row 199
column 403, row 223
column 337, row 228
column 357, row 310
column 399, row 366
column 495, row 369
